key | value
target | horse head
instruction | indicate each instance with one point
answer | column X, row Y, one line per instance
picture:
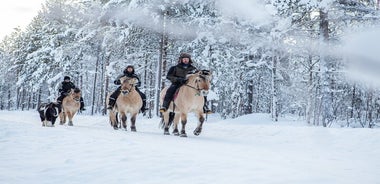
column 75, row 94
column 200, row 81
column 128, row 85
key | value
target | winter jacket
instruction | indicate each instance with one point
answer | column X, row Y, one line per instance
column 177, row 74
column 65, row 87
column 130, row 75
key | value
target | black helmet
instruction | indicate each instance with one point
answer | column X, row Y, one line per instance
column 184, row 55
column 66, row 78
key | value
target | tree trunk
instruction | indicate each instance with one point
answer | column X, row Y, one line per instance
column 310, row 89
column 161, row 69
column 274, row 87
column 325, row 70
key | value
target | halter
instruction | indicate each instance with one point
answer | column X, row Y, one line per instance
column 197, row 88
column 131, row 86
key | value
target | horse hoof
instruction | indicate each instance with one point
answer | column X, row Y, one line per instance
column 197, row 131
column 133, row 129
column 115, row 128
column 166, row 133
column 183, row 135
column 175, row 132
column 70, row 124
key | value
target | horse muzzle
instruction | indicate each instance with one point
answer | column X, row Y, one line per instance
column 204, row 92
column 125, row 92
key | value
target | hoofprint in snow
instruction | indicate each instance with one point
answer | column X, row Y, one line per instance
column 249, row 149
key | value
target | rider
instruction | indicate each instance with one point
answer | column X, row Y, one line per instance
column 65, row 88
column 177, row 75
column 128, row 72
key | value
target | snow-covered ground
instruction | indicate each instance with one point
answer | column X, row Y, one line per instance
column 249, row 149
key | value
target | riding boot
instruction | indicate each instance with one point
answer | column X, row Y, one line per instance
column 113, row 97
column 143, row 108
column 169, row 96
column 60, row 99
column 111, row 103
column 143, row 97
column 206, row 110
column 81, row 105
column 165, row 106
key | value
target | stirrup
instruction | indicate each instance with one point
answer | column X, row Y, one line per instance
column 109, row 107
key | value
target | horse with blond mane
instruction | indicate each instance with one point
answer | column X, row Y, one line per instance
column 70, row 106
column 189, row 98
column 128, row 102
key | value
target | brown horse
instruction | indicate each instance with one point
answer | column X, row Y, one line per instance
column 188, row 99
column 129, row 101
column 70, row 106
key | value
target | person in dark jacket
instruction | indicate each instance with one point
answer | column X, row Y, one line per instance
column 177, row 75
column 65, row 88
column 128, row 72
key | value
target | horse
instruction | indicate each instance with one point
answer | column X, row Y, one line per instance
column 189, row 98
column 128, row 102
column 70, row 106
column 49, row 113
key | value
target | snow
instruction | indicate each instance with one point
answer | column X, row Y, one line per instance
column 249, row 149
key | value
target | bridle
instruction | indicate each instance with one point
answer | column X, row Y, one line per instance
column 197, row 88
column 130, row 88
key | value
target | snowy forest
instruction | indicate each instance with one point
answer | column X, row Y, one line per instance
column 315, row 59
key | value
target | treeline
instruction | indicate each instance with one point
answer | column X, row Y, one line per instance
column 266, row 57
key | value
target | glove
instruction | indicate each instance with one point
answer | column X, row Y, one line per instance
column 117, row 82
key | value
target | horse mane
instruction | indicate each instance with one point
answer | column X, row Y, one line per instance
column 76, row 90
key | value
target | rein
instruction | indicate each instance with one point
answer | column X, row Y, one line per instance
column 197, row 88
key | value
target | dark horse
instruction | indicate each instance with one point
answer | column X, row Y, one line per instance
column 49, row 113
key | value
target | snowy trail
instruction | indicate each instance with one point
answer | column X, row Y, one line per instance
column 230, row 151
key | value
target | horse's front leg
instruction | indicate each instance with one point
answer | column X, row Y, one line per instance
column 201, row 119
column 183, row 122
column 133, row 122
column 124, row 120
column 70, row 116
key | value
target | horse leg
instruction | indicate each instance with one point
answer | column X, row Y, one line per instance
column 201, row 119
column 62, row 118
column 113, row 119
column 124, row 120
column 133, row 122
column 176, row 121
column 165, row 117
column 70, row 116
column 183, row 122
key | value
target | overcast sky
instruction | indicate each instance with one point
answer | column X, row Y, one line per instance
column 14, row 13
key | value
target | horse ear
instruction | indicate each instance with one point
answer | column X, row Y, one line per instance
column 205, row 72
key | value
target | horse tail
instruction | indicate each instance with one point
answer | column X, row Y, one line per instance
column 171, row 118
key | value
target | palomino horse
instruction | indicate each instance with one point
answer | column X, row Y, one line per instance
column 129, row 101
column 189, row 99
column 70, row 106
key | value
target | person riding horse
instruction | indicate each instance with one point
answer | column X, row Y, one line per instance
column 65, row 88
column 177, row 75
column 128, row 72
